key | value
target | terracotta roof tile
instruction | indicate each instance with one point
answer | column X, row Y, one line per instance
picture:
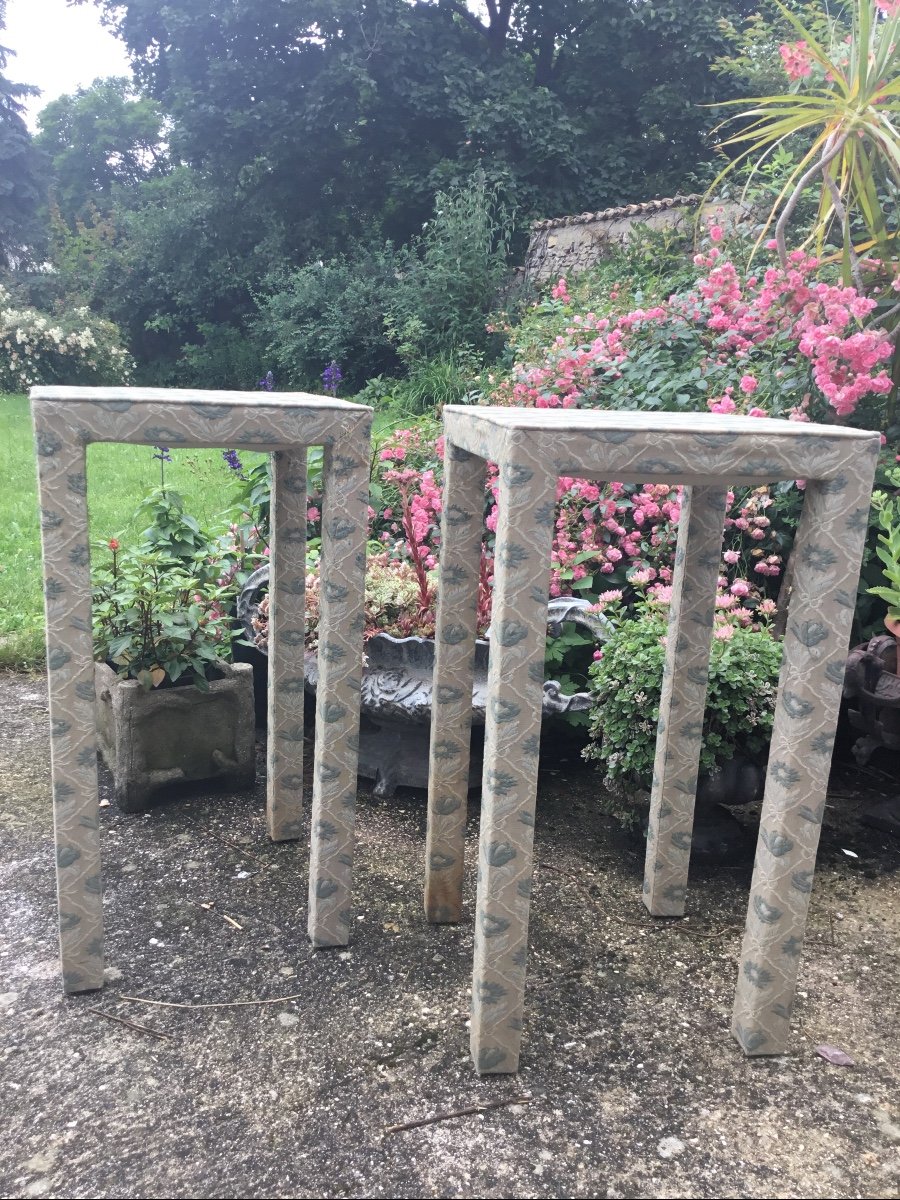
column 624, row 210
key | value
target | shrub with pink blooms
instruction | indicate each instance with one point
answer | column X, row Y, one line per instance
column 771, row 342
column 608, row 535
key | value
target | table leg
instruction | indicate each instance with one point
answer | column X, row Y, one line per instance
column 683, row 700
column 287, row 641
column 462, row 524
column 70, row 675
column 341, row 624
column 827, row 555
column 512, row 743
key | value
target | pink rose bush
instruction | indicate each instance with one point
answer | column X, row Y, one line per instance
column 610, row 538
column 779, row 343
column 796, row 59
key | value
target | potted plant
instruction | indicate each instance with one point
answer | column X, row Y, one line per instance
column 171, row 708
column 626, row 684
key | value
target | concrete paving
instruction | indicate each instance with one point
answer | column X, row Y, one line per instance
column 634, row 1087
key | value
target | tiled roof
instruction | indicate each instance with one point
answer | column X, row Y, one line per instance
column 624, row 210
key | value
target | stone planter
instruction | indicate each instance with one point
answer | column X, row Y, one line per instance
column 152, row 740
column 397, row 690
column 872, row 690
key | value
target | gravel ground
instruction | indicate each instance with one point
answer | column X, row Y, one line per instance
column 634, row 1086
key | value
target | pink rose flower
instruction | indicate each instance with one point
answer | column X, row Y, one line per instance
column 796, row 59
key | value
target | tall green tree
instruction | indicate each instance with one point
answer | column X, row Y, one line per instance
column 308, row 130
column 101, row 137
column 20, row 169
column 341, row 115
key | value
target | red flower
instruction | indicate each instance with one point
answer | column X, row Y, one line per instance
column 113, row 545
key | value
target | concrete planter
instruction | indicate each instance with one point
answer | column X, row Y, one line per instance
column 396, row 691
column 872, row 689
column 151, row 740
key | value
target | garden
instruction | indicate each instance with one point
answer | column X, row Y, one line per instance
column 780, row 298
column 742, row 332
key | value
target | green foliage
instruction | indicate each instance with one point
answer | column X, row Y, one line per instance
column 187, row 257
column 753, row 61
column 455, row 271
column 80, row 253
column 101, row 138
column 870, row 608
column 164, row 610
column 222, row 357
column 260, row 140
column 378, row 392
column 174, row 533
column 296, row 132
column 567, row 659
column 422, row 306
column 158, row 619
column 758, row 186
column 433, row 382
column 626, row 684
column 342, row 116
column 20, row 170
column 255, row 495
column 886, row 508
column 173, row 262
column 118, row 476
column 332, row 310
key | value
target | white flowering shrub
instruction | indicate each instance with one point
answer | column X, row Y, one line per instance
column 75, row 347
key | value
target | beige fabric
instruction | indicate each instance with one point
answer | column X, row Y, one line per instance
column 65, row 421
column 709, row 453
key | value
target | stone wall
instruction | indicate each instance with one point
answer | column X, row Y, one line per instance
column 567, row 245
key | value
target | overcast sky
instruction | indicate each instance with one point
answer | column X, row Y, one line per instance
column 58, row 49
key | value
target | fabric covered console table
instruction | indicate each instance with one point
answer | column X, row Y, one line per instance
column 66, row 419
column 708, row 454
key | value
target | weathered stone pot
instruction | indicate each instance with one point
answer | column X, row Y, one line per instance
column 397, row 686
column 152, row 740
column 872, row 692
column 736, row 782
column 717, row 835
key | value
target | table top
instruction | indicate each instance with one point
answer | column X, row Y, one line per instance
column 577, row 420
column 176, row 396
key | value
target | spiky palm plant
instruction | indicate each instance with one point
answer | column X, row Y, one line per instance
column 846, row 100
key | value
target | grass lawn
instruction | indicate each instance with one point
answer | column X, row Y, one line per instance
column 119, row 477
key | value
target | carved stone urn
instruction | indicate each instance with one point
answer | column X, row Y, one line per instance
column 872, row 689
column 397, row 686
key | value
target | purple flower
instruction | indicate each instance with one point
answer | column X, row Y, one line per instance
column 268, row 383
column 231, row 457
column 331, row 377
column 164, row 455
